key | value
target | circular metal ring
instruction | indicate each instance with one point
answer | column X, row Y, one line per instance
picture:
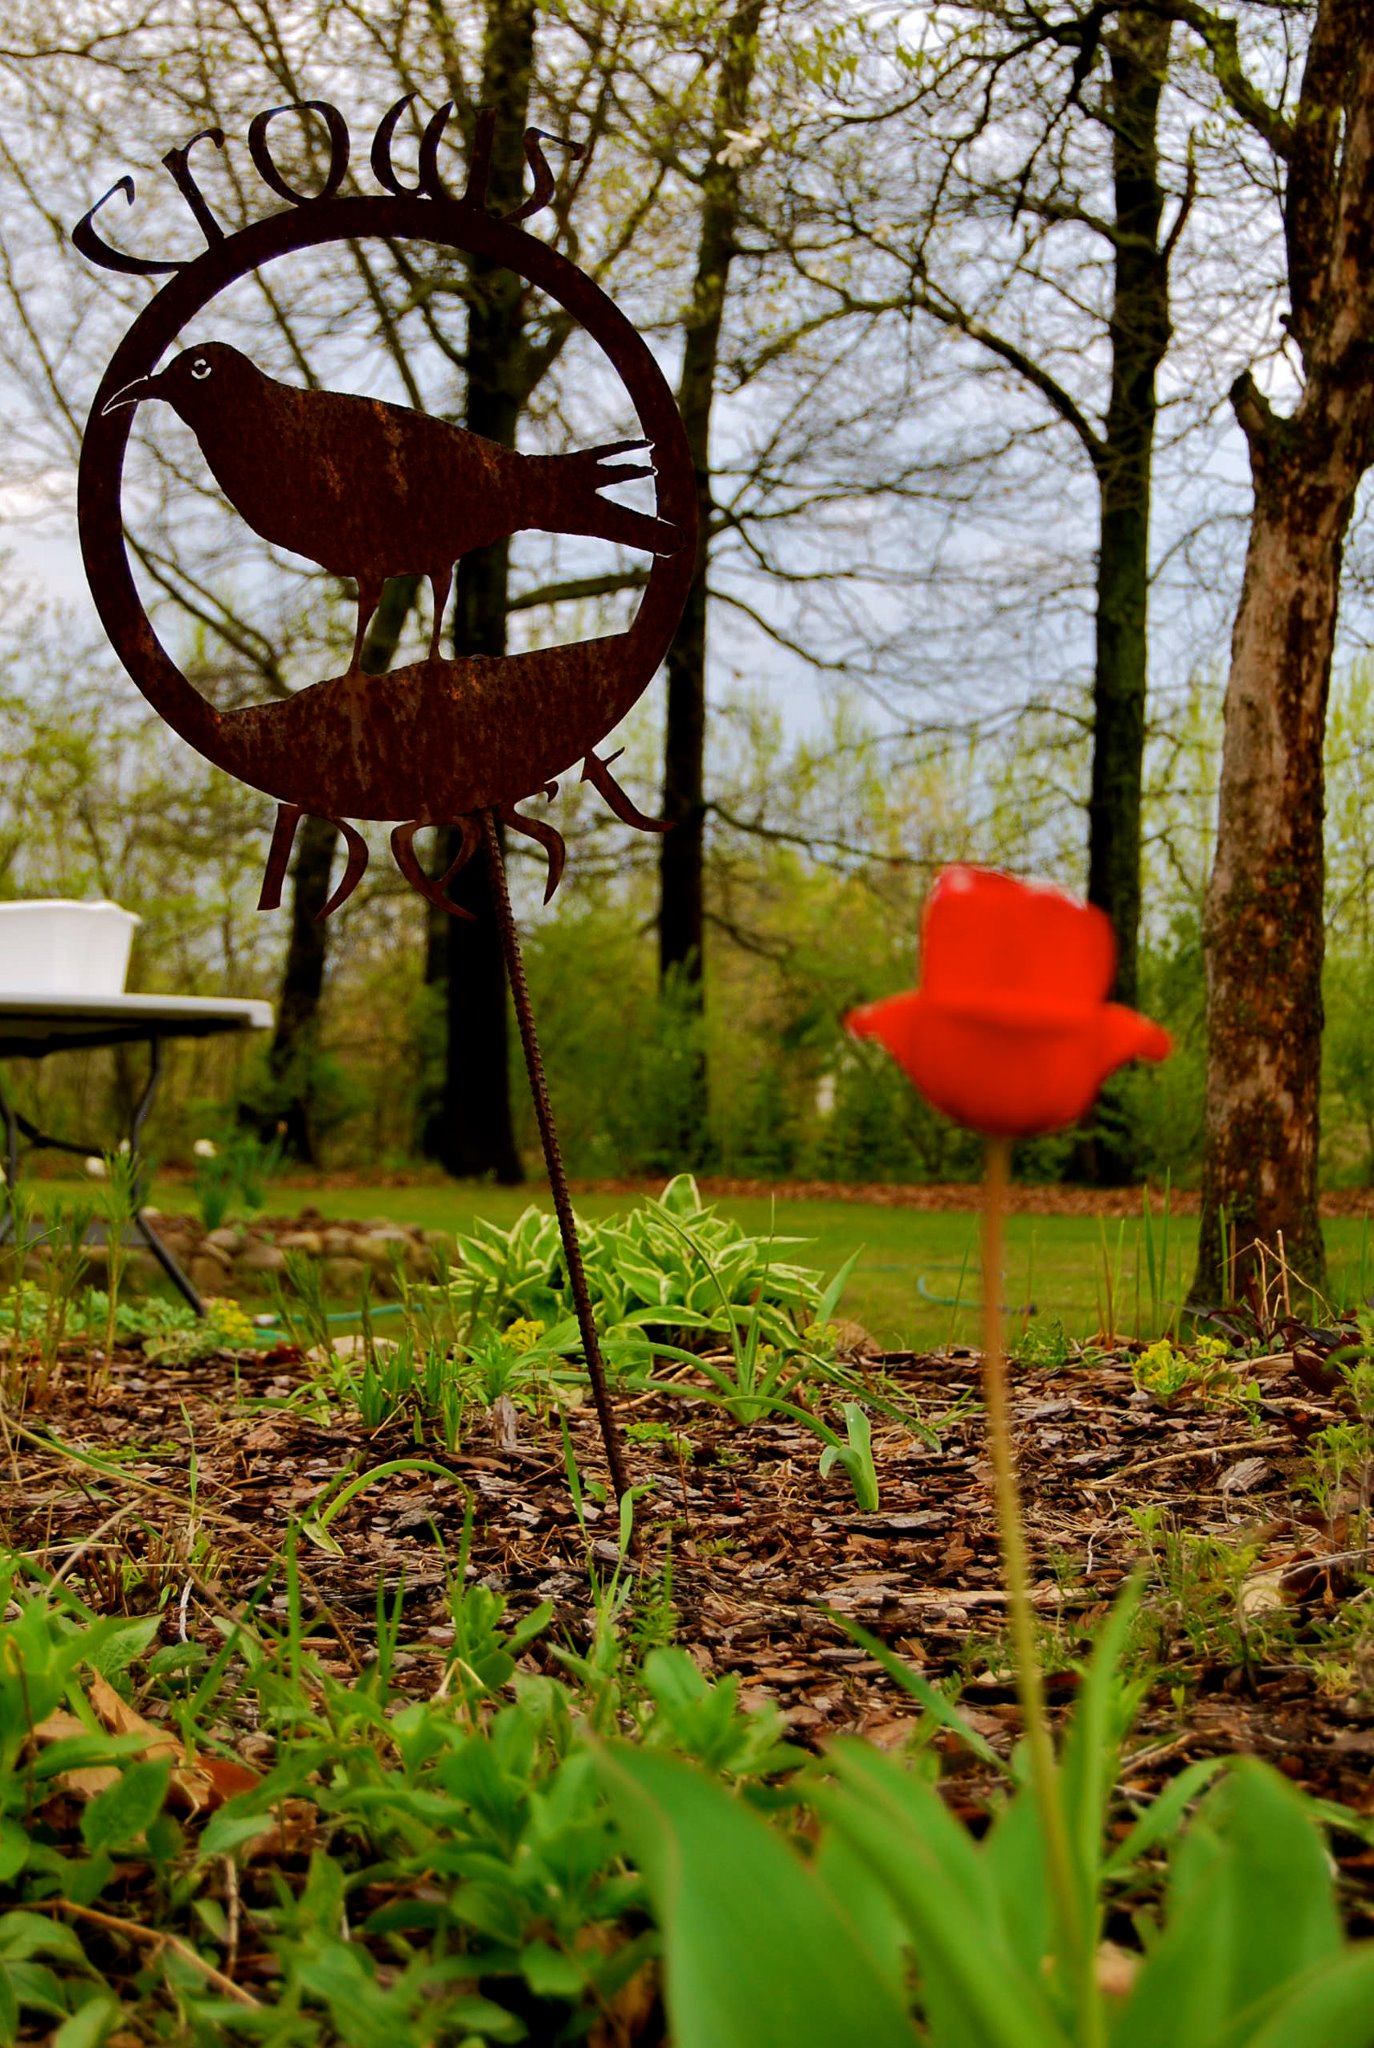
column 431, row 742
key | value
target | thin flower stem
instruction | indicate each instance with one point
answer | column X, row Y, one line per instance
column 1029, row 1686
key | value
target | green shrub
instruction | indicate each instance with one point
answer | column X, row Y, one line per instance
column 880, row 1130
column 667, row 1266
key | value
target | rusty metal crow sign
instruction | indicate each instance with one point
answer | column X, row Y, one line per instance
column 371, row 490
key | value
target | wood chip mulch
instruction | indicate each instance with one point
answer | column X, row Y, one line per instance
column 1273, row 1654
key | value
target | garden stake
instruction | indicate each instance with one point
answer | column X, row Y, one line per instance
column 553, row 1156
column 439, row 742
column 1011, row 1533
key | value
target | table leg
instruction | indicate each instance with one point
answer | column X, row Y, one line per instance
column 142, row 1226
column 7, row 1223
column 185, row 1288
column 141, row 1109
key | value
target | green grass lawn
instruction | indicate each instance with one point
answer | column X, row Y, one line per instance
column 917, row 1281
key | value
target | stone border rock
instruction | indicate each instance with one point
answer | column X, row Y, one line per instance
column 241, row 1258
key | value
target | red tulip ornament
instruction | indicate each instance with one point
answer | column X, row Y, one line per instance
column 1010, row 1031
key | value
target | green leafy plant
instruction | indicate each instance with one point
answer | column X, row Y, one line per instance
column 39, row 1316
column 1163, row 1315
column 1045, row 1345
column 764, row 1947
column 1337, row 1471
column 855, row 1458
column 27, row 1308
column 670, row 1269
column 118, row 1205
column 902, row 1929
column 1205, row 1370
column 224, row 1327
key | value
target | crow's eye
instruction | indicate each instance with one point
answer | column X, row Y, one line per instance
column 200, row 369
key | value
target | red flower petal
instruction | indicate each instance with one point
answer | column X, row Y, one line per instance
column 984, row 930
column 1010, row 1033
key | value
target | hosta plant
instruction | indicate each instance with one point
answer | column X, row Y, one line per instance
column 671, row 1268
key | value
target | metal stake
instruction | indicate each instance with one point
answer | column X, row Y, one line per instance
column 553, row 1157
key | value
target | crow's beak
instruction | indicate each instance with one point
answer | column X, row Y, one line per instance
column 130, row 394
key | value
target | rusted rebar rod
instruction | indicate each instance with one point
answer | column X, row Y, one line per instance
column 553, row 1156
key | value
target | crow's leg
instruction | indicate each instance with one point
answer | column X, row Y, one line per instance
column 598, row 773
column 278, row 854
column 403, row 846
column 353, row 873
column 551, row 841
column 440, row 582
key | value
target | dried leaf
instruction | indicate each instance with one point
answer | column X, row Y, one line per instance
column 1244, row 1476
column 1263, row 1592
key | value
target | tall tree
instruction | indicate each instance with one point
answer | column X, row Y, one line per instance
column 1062, row 81
column 471, row 1130
column 1137, row 50
column 1264, row 915
column 289, row 1105
column 682, row 875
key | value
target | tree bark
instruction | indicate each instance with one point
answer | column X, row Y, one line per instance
column 682, row 881
column 472, row 1132
column 295, row 1041
column 1263, row 930
column 1264, row 915
column 1138, row 333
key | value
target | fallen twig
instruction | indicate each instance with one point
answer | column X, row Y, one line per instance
column 151, row 1937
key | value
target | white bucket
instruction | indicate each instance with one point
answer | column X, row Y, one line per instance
column 62, row 948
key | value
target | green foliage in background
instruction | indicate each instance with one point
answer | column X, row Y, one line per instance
column 796, row 939
column 232, row 1175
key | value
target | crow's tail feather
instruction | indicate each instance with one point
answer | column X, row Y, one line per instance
column 570, row 500
column 610, row 448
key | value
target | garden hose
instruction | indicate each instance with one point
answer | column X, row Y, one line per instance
column 272, row 1321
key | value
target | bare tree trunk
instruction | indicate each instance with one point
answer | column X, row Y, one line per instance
column 682, row 886
column 472, row 1134
column 1139, row 335
column 1138, row 331
column 295, row 1041
column 1264, row 930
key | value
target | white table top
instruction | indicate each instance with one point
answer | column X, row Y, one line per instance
column 34, row 1025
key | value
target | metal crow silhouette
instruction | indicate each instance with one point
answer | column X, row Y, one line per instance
column 370, row 490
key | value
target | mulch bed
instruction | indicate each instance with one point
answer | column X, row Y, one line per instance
column 764, row 1552
column 1023, row 1198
